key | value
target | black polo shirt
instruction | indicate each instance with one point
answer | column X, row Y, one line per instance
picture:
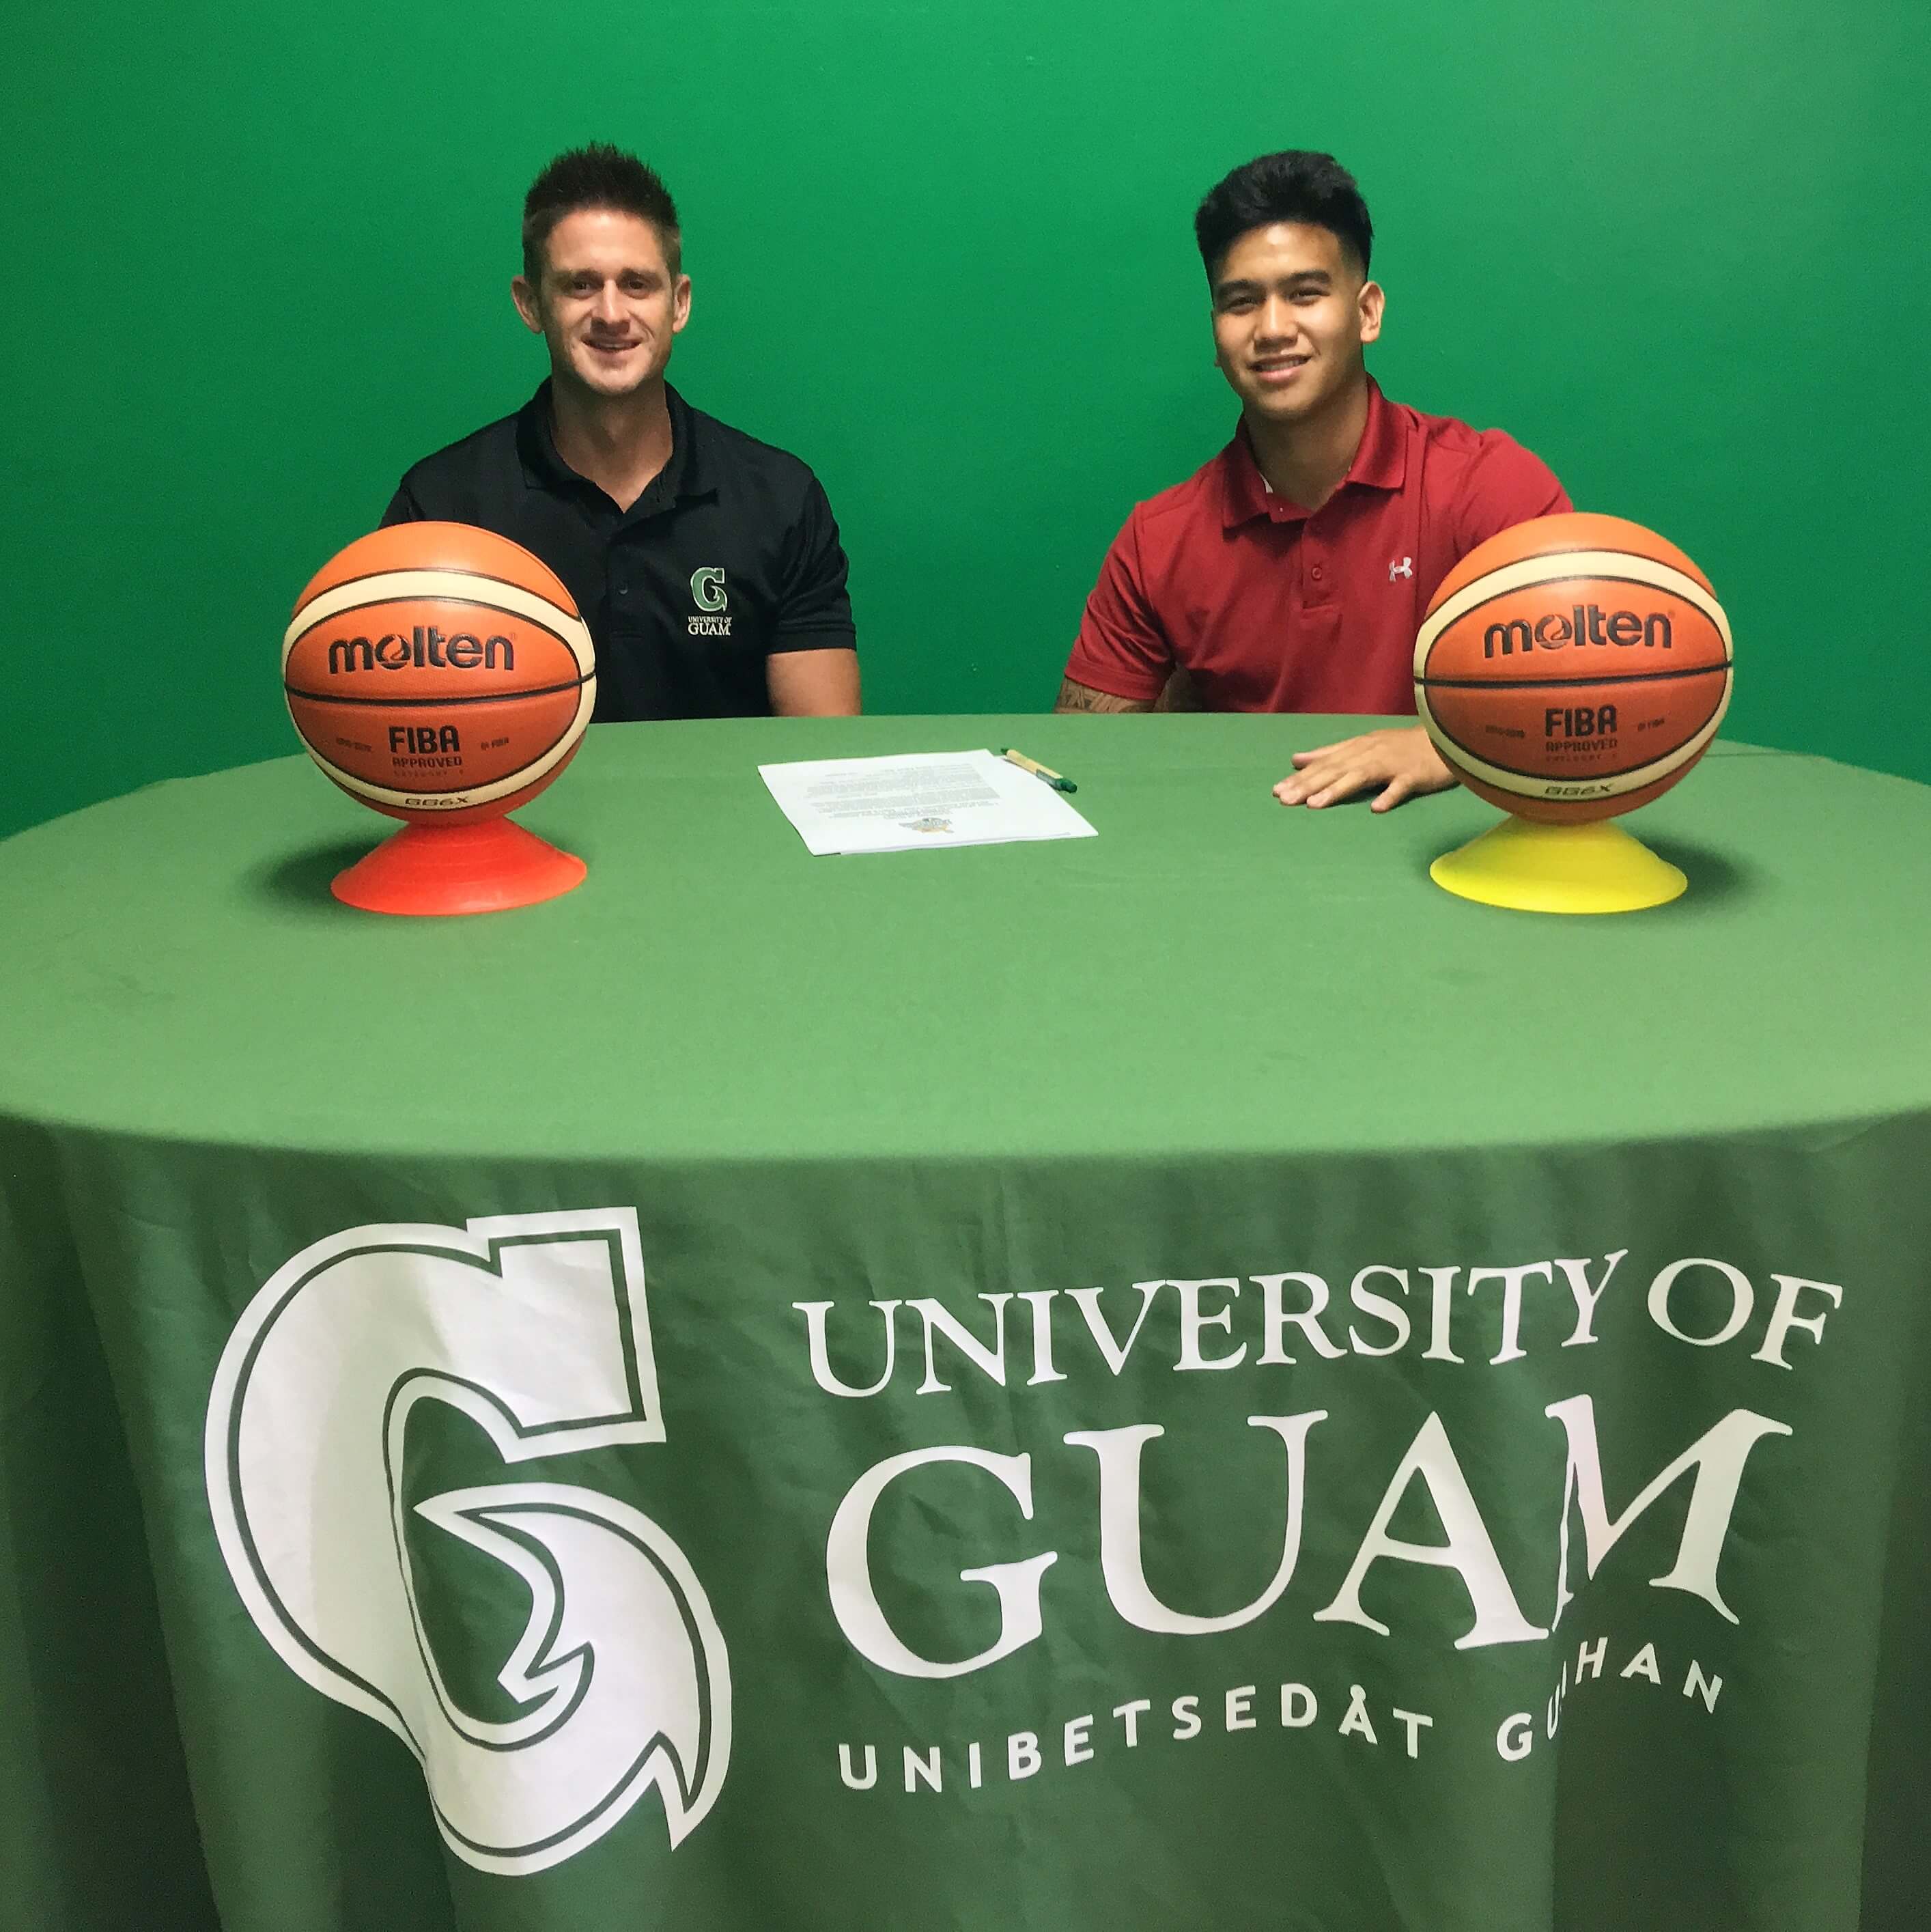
column 731, row 554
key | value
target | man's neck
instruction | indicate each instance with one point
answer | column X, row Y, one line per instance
column 620, row 443
column 1307, row 461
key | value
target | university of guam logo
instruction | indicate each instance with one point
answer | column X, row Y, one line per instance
column 535, row 1327
column 712, row 600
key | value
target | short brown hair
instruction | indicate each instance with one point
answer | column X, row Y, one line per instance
column 599, row 176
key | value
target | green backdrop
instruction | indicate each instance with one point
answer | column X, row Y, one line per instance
column 260, row 260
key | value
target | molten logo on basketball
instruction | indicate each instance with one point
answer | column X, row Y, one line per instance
column 1586, row 624
column 427, row 646
column 1589, row 732
column 438, row 671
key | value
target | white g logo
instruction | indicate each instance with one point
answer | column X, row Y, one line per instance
column 535, row 1327
column 707, row 588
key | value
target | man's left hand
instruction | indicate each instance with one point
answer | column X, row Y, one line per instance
column 1403, row 762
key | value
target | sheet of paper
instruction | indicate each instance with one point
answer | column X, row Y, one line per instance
column 924, row 799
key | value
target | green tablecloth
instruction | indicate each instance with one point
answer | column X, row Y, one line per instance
column 1186, row 1378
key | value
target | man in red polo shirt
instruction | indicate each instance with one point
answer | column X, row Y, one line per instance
column 1292, row 572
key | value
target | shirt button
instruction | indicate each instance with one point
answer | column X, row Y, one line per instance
column 1318, row 574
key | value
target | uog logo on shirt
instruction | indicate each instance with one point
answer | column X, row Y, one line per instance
column 708, row 594
column 535, row 1328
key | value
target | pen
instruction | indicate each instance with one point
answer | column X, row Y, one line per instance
column 1039, row 771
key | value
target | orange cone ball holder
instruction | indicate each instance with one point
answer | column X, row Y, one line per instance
column 489, row 865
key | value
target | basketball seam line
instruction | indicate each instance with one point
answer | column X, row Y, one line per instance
column 464, row 787
column 470, row 603
column 1500, row 777
column 441, row 570
column 1506, row 684
column 1487, row 756
column 1542, row 583
column 436, row 698
column 1530, row 574
column 485, row 792
column 512, row 600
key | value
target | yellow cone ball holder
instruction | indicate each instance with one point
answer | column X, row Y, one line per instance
column 1532, row 868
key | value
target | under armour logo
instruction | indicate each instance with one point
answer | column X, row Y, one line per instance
column 1406, row 567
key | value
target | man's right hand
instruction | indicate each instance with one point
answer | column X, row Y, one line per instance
column 1402, row 762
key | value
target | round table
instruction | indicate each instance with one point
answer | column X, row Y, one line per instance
column 1182, row 1378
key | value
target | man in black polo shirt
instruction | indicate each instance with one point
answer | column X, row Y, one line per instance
column 707, row 565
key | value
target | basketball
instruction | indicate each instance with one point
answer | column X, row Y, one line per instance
column 1573, row 667
column 438, row 672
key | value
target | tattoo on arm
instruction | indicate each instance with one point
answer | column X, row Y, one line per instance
column 1083, row 697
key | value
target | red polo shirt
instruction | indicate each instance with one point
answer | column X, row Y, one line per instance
column 1270, row 608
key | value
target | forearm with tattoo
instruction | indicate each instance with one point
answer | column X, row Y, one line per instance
column 1083, row 697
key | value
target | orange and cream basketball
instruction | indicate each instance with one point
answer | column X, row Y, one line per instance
column 438, row 672
column 1573, row 667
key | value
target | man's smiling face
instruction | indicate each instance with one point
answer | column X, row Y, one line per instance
column 1291, row 312
column 610, row 304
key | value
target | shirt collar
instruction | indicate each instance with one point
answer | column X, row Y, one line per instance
column 543, row 468
column 1380, row 463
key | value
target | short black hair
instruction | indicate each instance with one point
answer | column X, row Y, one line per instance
column 1297, row 185
column 599, row 176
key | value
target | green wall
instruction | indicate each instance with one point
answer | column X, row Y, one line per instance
column 259, row 259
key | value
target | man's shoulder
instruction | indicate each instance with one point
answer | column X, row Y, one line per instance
column 1460, row 444
column 1202, row 494
column 482, row 457
column 728, row 453
column 1477, row 481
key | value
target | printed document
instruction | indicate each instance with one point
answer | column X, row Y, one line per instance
column 924, row 799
